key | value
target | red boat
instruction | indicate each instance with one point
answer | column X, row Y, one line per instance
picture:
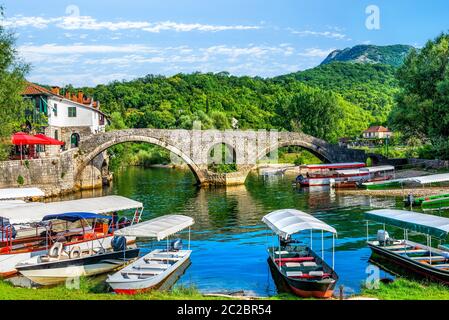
column 297, row 267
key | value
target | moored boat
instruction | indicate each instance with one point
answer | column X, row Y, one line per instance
column 58, row 265
column 425, row 261
column 304, row 272
column 150, row 271
column 24, row 233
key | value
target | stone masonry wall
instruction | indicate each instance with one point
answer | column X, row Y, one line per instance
column 54, row 175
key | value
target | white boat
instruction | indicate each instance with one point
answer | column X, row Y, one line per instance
column 150, row 271
column 59, row 265
column 30, row 238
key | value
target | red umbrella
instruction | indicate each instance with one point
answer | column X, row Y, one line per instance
column 49, row 141
column 21, row 138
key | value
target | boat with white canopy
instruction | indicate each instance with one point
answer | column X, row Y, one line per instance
column 20, row 193
column 305, row 272
column 151, row 270
column 23, row 234
column 61, row 262
column 424, row 260
column 429, row 180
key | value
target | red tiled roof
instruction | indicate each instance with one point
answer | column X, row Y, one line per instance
column 34, row 89
column 377, row 129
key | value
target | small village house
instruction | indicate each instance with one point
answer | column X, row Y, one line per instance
column 377, row 132
column 66, row 117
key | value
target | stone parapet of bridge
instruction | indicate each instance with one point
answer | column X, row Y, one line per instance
column 194, row 148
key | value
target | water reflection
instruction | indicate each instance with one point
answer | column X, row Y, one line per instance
column 229, row 240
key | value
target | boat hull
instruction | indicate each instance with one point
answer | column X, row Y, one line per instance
column 57, row 272
column 8, row 262
column 304, row 289
column 417, row 268
column 143, row 285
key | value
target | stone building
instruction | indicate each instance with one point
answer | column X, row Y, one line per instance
column 65, row 117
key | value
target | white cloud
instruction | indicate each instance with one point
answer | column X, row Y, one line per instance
column 90, row 23
column 326, row 34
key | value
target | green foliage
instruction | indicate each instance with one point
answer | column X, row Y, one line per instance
column 20, row 180
column 423, row 103
column 403, row 289
column 12, row 106
column 322, row 114
column 369, row 86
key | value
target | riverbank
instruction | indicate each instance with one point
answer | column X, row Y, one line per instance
column 93, row 290
column 402, row 289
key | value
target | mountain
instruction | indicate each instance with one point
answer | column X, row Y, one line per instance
column 369, row 86
column 393, row 55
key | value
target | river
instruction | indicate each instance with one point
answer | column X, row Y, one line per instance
column 229, row 240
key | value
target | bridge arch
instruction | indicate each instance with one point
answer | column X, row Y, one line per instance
column 92, row 154
column 315, row 149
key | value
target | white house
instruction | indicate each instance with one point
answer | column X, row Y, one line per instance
column 68, row 117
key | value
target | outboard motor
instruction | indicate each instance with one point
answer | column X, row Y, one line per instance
column 300, row 178
column 7, row 230
column 409, row 200
column 176, row 245
column 118, row 243
column 383, row 236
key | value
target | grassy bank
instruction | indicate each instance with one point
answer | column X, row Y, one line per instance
column 90, row 290
column 403, row 289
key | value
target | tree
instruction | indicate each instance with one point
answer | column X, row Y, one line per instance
column 422, row 109
column 12, row 105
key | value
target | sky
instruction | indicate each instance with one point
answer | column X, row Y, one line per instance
column 86, row 43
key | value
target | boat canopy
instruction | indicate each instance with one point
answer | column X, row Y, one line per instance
column 286, row 222
column 377, row 169
column 34, row 212
column 75, row 216
column 159, row 228
column 20, row 193
column 444, row 177
column 419, row 222
column 350, row 172
column 334, row 166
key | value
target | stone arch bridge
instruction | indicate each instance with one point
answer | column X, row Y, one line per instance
column 194, row 148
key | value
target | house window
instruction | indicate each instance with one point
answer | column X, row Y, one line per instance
column 56, row 135
column 55, row 109
column 74, row 140
column 72, row 112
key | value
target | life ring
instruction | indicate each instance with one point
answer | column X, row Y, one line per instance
column 55, row 250
column 75, row 253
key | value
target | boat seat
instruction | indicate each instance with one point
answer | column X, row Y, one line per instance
column 433, row 258
column 316, row 273
column 292, row 264
column 148, row 260
column 309, row 264
column 281, row 252
column 152, row 266
column 138, row 273
column 294, row 274
column 412, row 251
column 297, row 259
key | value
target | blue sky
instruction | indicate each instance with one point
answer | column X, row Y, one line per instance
column 90, row 42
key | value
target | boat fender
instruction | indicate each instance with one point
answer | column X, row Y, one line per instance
column 75, row 253
column 118, row 243
column 55, row 250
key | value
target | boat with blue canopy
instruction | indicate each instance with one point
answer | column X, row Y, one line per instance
column 423, row 260
column 61, row 262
